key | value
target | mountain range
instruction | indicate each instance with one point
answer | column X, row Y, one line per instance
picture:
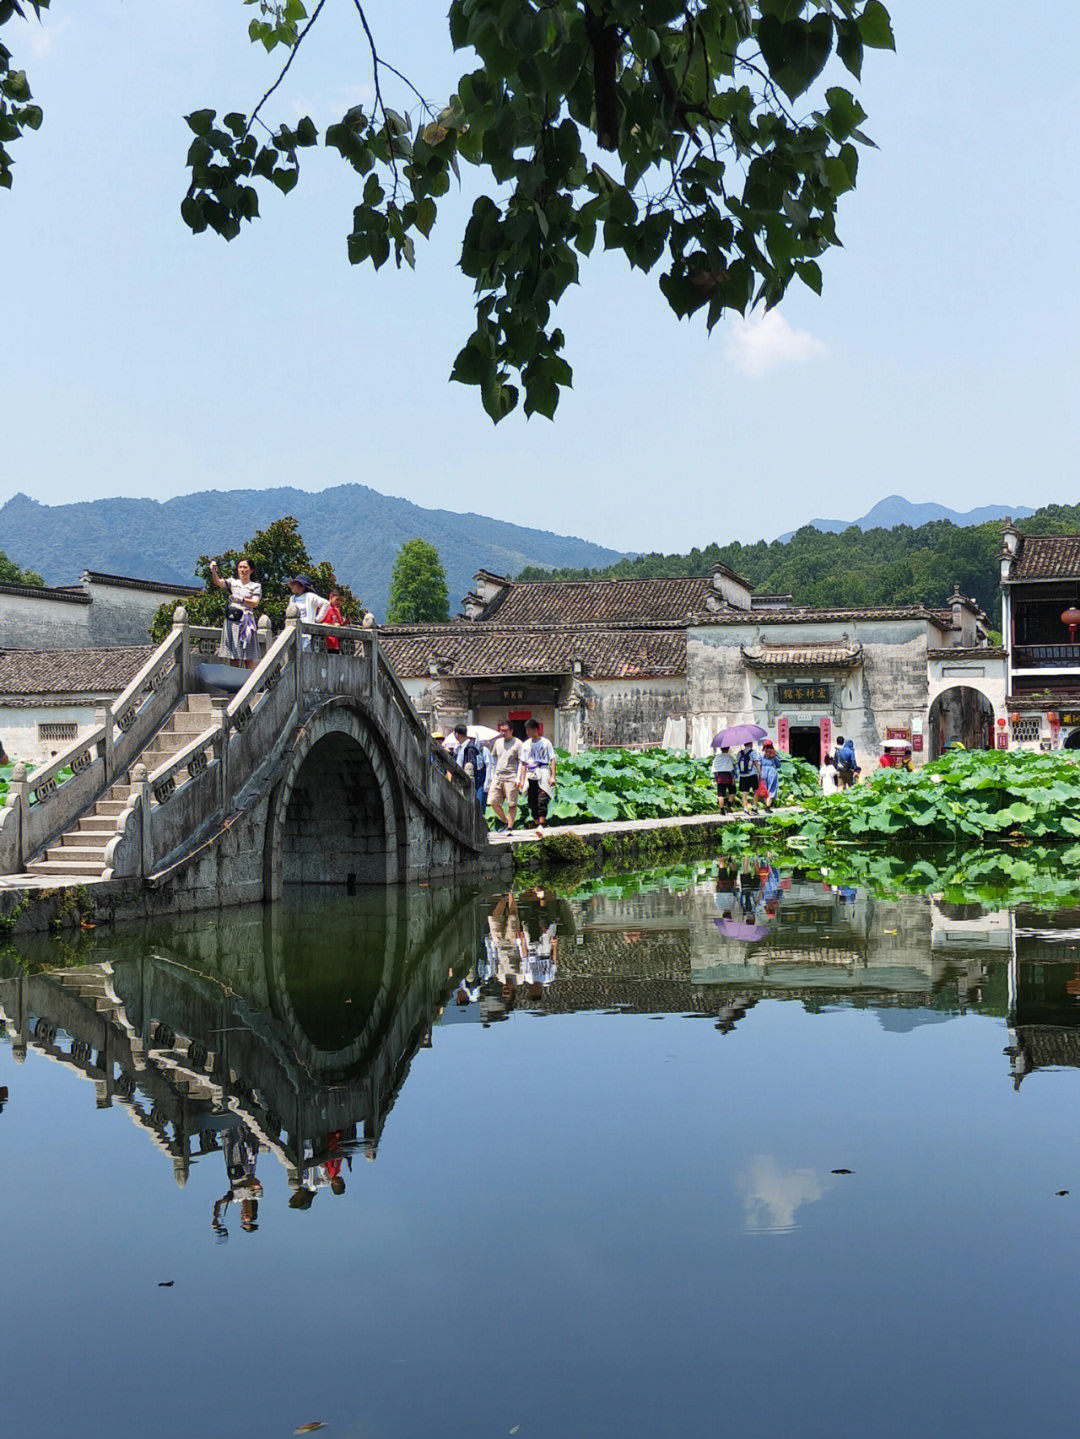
column 894, row 510
column 359, row 530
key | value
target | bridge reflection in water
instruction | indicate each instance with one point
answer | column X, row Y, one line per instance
column 291, row 1030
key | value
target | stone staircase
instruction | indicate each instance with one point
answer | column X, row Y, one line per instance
column 80, row 852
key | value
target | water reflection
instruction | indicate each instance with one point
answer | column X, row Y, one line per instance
column 286, row 1034
column 772, row 1193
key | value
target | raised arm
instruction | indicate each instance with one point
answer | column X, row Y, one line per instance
column 215, row 576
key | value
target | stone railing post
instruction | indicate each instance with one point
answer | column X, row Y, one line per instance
column 140, row 789
column 17, row 799
column 292, row 618
column 374, row 668
column 180, row 622
column 107, row 746
column 266, row 637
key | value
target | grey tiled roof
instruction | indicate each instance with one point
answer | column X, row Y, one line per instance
column 1047, row 557
column 562, row 602
column 840, row 655
column 478, row 650
column 126, row 582
column 43, row 592
column 77, row 671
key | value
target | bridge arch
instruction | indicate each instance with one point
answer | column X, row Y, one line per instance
column 337, row 815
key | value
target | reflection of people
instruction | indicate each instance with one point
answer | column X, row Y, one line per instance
column 239, row 634
column 241, row 1154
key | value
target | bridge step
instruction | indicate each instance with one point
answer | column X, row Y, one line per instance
column 95, row 824
column 74, row 868
column 87, row 838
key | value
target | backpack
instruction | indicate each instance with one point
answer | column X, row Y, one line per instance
column 745, row 763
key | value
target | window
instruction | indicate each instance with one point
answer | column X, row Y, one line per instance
column 50, row 733
column 1025, row 730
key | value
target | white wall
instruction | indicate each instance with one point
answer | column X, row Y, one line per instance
column 19, row 728
column 43, row 623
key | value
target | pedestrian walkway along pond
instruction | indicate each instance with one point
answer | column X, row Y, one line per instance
column 716, row 1148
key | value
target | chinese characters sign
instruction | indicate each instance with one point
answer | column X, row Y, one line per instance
column 803, row 692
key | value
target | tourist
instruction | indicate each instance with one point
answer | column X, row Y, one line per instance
column 827, row 776
column 770, row 773
column 310, row 606
column 748, row 771
column 239, row 634
column 506, row 754
column 537, row 775
column 332, row 616
column 847, row 767
column 723, row 769
column 471, row 756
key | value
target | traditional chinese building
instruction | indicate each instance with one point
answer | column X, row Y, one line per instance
column 1040, row 584
column 643, row 662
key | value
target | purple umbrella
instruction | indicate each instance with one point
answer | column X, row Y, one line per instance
column 737, row 734
column 740, row 929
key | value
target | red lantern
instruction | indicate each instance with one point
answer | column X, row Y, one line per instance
column 1002, row 722
column 1014, row 718
column 1071, row 617
column 1054, row 719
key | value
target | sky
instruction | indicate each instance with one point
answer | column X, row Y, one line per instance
column 940, row 363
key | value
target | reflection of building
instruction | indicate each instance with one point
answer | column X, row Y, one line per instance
column 1044, row 993
column 1040, row 583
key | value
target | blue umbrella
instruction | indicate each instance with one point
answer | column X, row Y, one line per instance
column 737, row 734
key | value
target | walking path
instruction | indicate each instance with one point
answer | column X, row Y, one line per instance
column 637, row 826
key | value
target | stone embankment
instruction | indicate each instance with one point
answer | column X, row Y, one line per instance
column 618, row 841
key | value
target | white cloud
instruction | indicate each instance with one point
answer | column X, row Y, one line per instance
column 42, row 37
column 765, row 341
column 772, row 1193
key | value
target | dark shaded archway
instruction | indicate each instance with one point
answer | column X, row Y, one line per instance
column 961, row 715
column 1073, row 740
column 336, row 829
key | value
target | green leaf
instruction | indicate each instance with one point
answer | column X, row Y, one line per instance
column 201, row 121
column 875, row 27
column 796, row 51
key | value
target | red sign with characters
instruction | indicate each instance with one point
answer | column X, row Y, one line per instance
column 916, row 742
column 783, row 734
column 1003, row 739
column 825, row 726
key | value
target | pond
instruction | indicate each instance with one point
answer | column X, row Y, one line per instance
column 713, row 1149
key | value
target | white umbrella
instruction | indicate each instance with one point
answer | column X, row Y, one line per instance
column 482, row 733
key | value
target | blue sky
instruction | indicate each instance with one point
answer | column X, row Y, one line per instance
column 940, row 362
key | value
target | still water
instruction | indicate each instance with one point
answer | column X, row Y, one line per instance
column 660, row 1155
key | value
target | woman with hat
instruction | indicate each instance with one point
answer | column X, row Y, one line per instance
column 311, row 606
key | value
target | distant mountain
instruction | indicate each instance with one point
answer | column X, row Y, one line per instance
column 894, row 510
column 356, row 528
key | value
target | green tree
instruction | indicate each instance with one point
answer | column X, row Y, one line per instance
column 275, row 554
column 11, row 574
column 417, row 586
column 714, row 177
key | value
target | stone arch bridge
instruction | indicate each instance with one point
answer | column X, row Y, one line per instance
column 318, row 770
